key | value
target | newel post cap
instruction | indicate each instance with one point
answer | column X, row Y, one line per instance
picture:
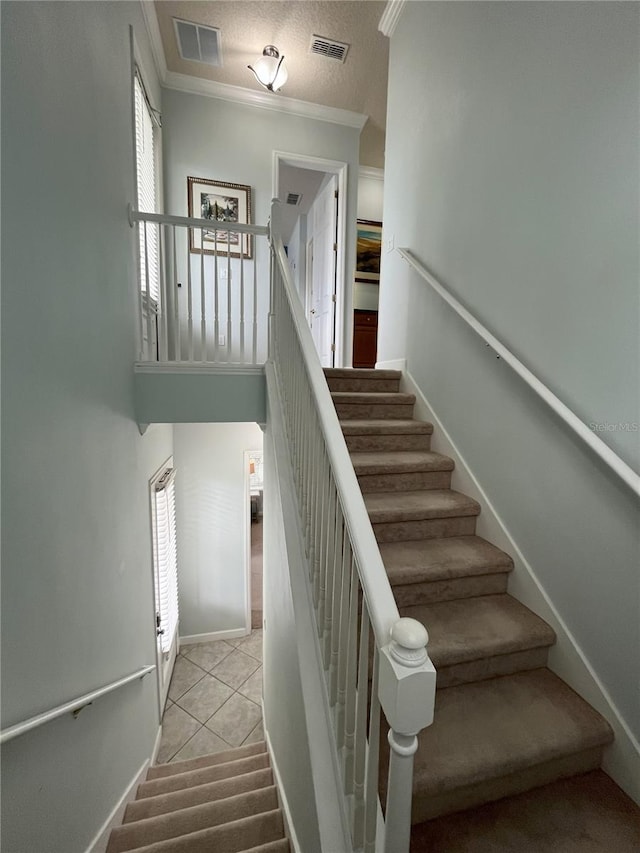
column 409, row 640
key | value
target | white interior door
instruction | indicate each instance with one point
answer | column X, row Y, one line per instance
column 323, row 220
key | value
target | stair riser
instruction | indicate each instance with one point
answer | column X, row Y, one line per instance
column 201, row 777
column 404, row 482
column 367, row 386
column 450, row 590
column 164, row 804
column 375, row 411
column 489, row 667
column 374, row 443
column 161, row 770
column 174, row 824
column 430, row 528
column 429, row 804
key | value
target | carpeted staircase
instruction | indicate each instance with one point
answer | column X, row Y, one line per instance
column 504, row 723
column 225, row 802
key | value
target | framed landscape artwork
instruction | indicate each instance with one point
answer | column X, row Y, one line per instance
column 369, row 246
column 221, row 203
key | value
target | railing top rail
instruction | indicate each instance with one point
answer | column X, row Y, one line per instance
column 375, row 582
column 609, row 456
column 190, row 222
column 73, row 705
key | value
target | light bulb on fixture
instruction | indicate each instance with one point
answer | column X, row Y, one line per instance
column 270, row 70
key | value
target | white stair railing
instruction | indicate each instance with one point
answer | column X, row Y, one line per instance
column 373, row 659
column 200, row 307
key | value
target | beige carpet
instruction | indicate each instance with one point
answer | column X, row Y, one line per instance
column 506, row 729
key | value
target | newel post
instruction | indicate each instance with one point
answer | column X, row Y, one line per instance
column 407, row 691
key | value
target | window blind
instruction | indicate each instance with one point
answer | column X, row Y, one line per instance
column 165, row 557
column 147, row 195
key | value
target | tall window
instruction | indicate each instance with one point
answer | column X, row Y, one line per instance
column 147, row 190
column 165, row 556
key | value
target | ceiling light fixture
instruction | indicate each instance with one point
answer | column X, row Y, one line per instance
column 270, row 70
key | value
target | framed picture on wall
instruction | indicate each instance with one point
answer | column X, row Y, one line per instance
column 222, row 204
column 368, row 251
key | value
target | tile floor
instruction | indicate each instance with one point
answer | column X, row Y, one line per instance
column 214, row 699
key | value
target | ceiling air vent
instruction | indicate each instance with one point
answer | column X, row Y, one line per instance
column 329, row 48
column 198, row 43
column 294, row 198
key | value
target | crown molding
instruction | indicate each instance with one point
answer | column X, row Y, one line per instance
column 371, row 172
column 153, row 31
column 238, row 94
column 262, row 100
column 390, row 17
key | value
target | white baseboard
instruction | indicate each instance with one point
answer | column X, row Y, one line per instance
column 289, row 828
column 213, row 636
column 566, row 658
column 156, row 745
column 99, row 843
column 392, row 364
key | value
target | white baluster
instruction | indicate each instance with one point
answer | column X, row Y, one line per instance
column 373, row 760
column 242, row 308
column 330, row 560
column 254, row 344
column 148, row 295
column 336, row 598
column 176, row 300
column 361, row 730
column 203, row 315
column 163, row 294
column 189, row 300
column 343, row 646
column 228, row 296
column 216, row 299
column 351, row 677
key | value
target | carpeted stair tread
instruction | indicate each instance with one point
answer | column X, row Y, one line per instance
column 174, row 800
column 202, row 775
column 418, row 505
column 234, row 837
column 471, row 629
column 369, row 398
column 490, row 730
column 585, row 814
column 182, row 822
column 361, row 373
column 399, row 462
column 442, row 559
column 161, row 770
column 281, row 846
column 401, row 426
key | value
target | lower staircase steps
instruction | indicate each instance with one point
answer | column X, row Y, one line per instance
column 226, row 802
column 504, row 723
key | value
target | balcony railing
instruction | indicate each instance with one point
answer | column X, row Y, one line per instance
column 203, row 290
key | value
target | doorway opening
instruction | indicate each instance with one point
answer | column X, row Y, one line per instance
column 254, row 471
column 314, row 195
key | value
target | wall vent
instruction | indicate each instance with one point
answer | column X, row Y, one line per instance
column 329, row 47
column 198, row 43
column 294, row 198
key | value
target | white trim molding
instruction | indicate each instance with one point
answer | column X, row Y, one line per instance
column 101, row 839
column 371, row 172
column 153, row 31
column 262, row 100
column 390, row 17
column 238, row 94
column 197, row 367
column 213, row 636
column 283, row 802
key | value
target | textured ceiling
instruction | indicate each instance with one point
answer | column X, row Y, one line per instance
column 248, row 25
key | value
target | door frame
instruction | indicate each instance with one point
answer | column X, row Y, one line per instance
column 247, row 535
column 338, row 168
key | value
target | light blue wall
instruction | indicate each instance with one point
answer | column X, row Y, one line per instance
column 77, row 607
column 518, row 187
column 210, row 138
